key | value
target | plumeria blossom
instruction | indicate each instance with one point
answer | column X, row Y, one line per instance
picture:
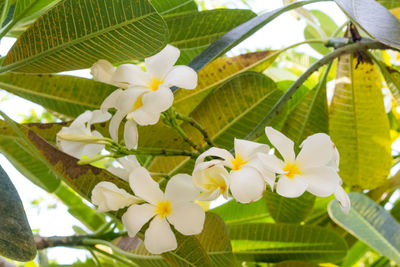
column 212, row 179
column 148, row 93
column 107, row 196
column 340, row 195
column 103, row 71
column 78, row 139
column 128, row 164
column 247, row 177
column 176, row 206
column 308, row 171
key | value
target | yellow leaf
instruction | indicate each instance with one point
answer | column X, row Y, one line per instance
column 359, row 125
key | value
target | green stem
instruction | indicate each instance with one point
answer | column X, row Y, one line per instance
column 114, row 257
column 94, row 256
column 277, row 108
column 196, row 125
column 123, row 151
column 339, row 30
column 184, row 135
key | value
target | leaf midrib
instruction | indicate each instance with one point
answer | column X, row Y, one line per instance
column 54, row 49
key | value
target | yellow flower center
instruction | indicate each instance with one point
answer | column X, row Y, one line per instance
column 291, row 170
column 138, row 103
column 155, row 83
column 238, row 162
column 163, row 209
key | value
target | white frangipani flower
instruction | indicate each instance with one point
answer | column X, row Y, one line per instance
column 128, row 164
column 83, row 137
column 107, row 196
column 103, row 71
column 212, row 179
column 247, row 177
column 176, row 206
column 340, row 195
column 308, row 171
column 148, row 93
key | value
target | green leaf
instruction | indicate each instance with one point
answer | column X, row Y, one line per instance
column 311, row 33
column 310, row 116
column 215, row 240
column 289, row 210
column 370, row 223
column 63, row 94
column 327, row 24
column 174, row 6
column 218, row 72
column 389, row 4
column 77, row 33
column 359, row 126
column 240, row 33
column 356, row 252
column 374, row 18
column 263, row 242
column 16, row 240
column 234, row 110
column 236, row 213
column 33, row 168
column 296, row 264
column 205, row 27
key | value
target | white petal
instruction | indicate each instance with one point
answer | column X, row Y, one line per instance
column 284, row 145
column 74, row 149
column 144, row 186
column 159, row 237
column 158, row 101
column 114, row 124
column 128, row 99
column 180, row 189
column 317, row 150
column 216, row 152
column 143, row 117
column 268, row 175
column 131, row 135
column 248, row 149
column 99, row 116
column 322, row 181
column 131, row 75
column 271, row 162
column 212, row 178
column 82, row 120
column 136, row 216
column 111, row 101
column 291, row 187
column 187, row 218
column 343, row 199
column 182, row 77
column 161, row 63
column 247, row 185
column 211, row 195
column 102, row 71
column 129, row 162
column 89, row 150
column 107, row 196
column 119, row 172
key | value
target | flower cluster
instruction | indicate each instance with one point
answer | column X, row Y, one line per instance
column 140, row 99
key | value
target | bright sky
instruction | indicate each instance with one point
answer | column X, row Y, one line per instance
column 283, row 31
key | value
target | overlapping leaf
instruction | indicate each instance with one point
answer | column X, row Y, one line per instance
column 263, row 242
column 75, row 34
column 392, row 78
column 165, row 7
column 359, row 126
column 289, row 210
column 63, row 94
column 375, row 19
column 370, row 223
column 236, row 213
column 218, row 72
